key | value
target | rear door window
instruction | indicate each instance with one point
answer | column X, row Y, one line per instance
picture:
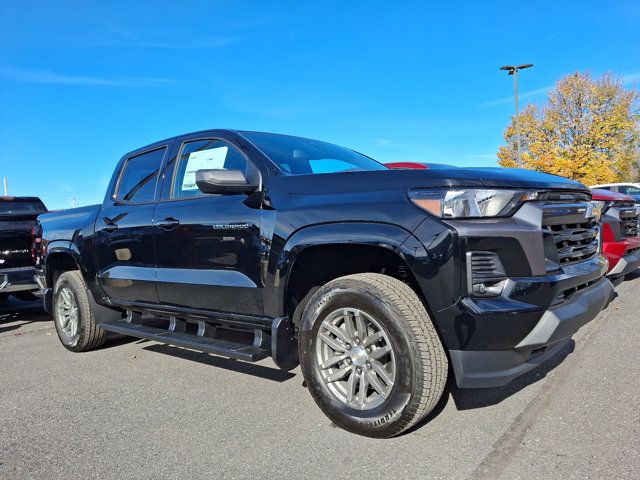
column 139, row 177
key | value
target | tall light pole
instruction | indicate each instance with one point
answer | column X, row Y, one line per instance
column 513, row 70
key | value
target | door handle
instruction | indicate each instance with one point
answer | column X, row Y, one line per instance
column 109, row 225
column 168, row 223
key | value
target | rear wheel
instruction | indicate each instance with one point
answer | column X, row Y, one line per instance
column 72, row 314
column 370, row 355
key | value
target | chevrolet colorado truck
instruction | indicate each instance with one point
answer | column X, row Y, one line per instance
column 252, row 245
column 17, row 273
column 620, row 232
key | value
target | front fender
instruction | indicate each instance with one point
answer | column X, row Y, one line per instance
column 384, row 235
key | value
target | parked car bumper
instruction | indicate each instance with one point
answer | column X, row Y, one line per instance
column 17, row 280
column 623, row 256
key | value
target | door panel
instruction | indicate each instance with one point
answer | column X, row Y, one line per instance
column 211, row 258
column 125, row 255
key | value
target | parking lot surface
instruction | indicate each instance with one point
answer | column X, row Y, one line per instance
column 138, row 409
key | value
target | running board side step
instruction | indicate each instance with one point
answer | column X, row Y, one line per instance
column 238, row 351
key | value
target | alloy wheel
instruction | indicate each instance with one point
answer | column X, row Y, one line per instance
column 355, row 358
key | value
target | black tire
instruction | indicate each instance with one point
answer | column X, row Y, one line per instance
column 420, row 361
column 88, row 335
column 25, row 296
column 3, row 298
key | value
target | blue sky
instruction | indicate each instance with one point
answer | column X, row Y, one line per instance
column 83, row 82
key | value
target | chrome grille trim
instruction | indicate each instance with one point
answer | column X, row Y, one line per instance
column 628, row 221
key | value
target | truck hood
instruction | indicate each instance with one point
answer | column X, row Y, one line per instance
column 413, row 178
column 515, row 177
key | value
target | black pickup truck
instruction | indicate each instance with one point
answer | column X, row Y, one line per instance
column 17, row 220
column 252, row 245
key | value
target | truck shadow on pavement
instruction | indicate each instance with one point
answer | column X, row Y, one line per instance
column 15, row 314
column 255, row 370
column 470, row 398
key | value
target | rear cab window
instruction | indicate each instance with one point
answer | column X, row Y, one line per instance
column 13, row 207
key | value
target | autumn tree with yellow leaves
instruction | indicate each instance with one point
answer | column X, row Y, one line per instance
column 588, row 130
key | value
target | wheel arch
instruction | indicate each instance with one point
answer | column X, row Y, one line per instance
column 61, row 256
column 318, row 254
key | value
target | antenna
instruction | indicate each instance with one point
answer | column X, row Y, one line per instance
column 6, row 187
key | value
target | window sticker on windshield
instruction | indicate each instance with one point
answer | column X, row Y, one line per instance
column 212, row 159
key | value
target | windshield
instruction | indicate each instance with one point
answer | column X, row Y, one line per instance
column 303, row 156
column 17, row 207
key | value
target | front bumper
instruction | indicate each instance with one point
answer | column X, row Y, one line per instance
column 502, row 322
column 477, row 369
column 493, row 340
column 549, row 284
column 18, row 280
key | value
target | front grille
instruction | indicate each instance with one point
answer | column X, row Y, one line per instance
column 628, row 221
column 575, row 241
column 574, row 233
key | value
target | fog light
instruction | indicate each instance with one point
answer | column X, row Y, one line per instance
column 488, row 289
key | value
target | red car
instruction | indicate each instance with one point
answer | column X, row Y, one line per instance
column 620, row 239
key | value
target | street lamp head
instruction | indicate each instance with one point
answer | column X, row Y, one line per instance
column 512, row 69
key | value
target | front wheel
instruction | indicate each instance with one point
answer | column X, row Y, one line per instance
column 370, row 355
column 72, row 314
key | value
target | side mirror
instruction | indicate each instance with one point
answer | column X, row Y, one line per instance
column 223, row 181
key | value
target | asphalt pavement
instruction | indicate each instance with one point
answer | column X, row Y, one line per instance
column 138, row 409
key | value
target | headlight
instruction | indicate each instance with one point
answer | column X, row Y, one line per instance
column 470, row 202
